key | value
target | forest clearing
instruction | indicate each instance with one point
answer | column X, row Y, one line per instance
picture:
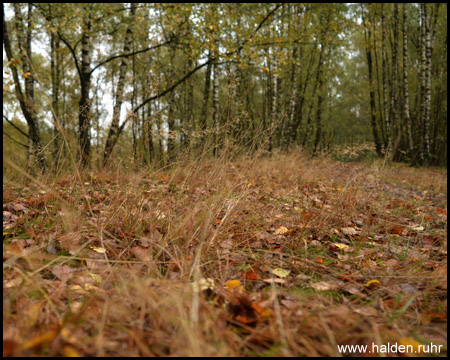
column 224, row 179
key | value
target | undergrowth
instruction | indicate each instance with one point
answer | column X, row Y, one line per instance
column 269, row 256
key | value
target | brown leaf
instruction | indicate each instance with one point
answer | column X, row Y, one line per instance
column 366, row 311
column 392, row 263
column 324, row 285
column 349, row 231
column 9, row 347
column 275, row 280
column 63, row 272
column 141, row 253
column 399, row 230
column 20, row 207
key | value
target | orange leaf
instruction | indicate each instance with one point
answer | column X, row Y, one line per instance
column 399, row 230
column 250, row 275
column 319, row 260
column 232, row 284
column 47, row 337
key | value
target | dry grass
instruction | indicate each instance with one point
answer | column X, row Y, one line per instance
column 104, row 264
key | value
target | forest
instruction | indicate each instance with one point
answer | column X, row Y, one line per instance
column 224, row 179
column 148, row 82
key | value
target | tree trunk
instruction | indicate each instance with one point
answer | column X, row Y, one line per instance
column 405, row 82
column 171, row 110
column 84, row 105
column 55, row 70
column 27, row 105
column 215, row 110
column 396, row 133
column 319, row 102
column 373, row 120
column 203, row 118
column 273, row 111
column 388, row 144
column 114, row 129
column 313, row 97
column 427, row 100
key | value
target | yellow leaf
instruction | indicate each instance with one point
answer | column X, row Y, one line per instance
column 341, row 246
column 78, row 289
column 97, row 278
column 372, row 283
column 282, row 273
column 203, row 284
column 97, row 249
column 32, row 314
column 90, row 287
column 281, row 230
column 48, row 336
column 407, row 341
column 69, row 351
column 232, row 284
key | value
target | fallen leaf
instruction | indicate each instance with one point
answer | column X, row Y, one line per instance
column 45, row 338
column 281, row 231
column 203, row 284
column 20, row 207
column 319, row 260
column 12, row 283
column 250, row 275
column 417, row 228
column 399, row 230
column 282, row 273
column 408, row 341
column 352, row 289
column 70, row 351
column 366, row 311
column 97, row 278
column 78, row 289
column 341, row 246
column 63, row 272
column 9, row 347
column 372, row 283
column 99, row 250
column 90, row 287
column 276, row 281
column 231, row 284
column 348, row 231
column 324, row 286
column 141, row 253
column 32, row 314
column 391, row 263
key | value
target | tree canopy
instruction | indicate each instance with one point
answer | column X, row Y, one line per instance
column 149, row 81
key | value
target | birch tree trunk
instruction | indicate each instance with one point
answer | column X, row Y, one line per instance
column 26, row 101
column 114, row 129
column 206, row 90
column 273, row 112
column 405, row 82
column 84, row 105
column 215, row 109
column 427, row 100
column 388, row 145
column 396, row 133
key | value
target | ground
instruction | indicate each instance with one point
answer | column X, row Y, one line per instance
column 279, row 256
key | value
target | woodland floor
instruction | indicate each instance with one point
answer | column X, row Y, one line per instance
column 281, row 256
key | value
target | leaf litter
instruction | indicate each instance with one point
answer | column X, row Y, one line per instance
column 281, row 254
